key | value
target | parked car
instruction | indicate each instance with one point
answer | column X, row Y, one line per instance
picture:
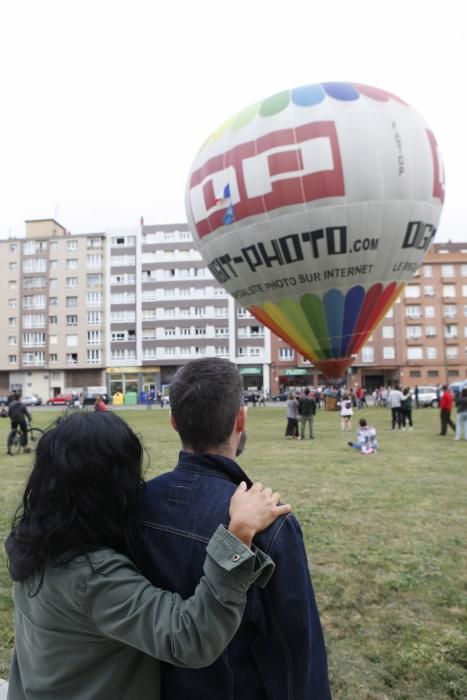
column 457, row 387
column 428, row 396
column 281, row 397
column 3, row 400
column 60, row 400
column 90, row 398
column 31, row 400
column 251, row 396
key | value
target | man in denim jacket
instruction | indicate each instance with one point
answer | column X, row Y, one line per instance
column 278, row 652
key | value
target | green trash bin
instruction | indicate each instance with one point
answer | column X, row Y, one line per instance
column 131, row 398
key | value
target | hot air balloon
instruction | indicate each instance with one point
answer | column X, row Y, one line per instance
column 313, row 208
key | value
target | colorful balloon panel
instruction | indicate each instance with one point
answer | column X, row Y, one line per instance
column 313, row 207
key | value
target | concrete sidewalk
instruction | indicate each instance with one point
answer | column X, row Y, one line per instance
column 3, row 689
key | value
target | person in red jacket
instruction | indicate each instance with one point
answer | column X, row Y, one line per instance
column 100, row 404
column 445, row 405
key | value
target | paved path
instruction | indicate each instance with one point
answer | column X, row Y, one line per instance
column 3, row 689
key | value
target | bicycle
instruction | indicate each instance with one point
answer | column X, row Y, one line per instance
column 34, row 435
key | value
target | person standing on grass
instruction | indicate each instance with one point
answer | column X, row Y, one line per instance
column 461, row 419
column 291, row 430
column 394, row 403
column 278, row 652
column 406, row 409
column 307, row 410
column 346, row 412
column 445, row 407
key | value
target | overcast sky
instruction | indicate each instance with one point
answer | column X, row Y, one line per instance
column 104, row 103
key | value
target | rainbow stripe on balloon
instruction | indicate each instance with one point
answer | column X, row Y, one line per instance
column 328, row 330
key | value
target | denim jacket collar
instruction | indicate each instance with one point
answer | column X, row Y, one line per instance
column 210, row 463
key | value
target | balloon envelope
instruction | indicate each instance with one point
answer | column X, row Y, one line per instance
column 313, row 207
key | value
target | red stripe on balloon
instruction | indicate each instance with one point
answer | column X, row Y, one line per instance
column 372, row 299
column 377, row 93
column 379, row 301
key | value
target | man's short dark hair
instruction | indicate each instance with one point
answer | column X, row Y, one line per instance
column 362, row 423
column 205, row 397
column 307, row 391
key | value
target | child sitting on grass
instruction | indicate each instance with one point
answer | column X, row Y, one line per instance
column 366, row 438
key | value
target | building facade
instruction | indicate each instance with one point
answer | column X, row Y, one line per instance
column 125, row 308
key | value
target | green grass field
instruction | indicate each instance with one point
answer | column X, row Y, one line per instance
column 385, row 536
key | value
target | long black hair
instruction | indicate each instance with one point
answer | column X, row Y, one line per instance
column 84, row 493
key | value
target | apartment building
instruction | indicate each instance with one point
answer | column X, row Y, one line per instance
column 53, row 291
column 125, row 308
column 422, row 340
column 164, row 308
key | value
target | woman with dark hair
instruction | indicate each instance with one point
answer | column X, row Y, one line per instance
column 87, row 622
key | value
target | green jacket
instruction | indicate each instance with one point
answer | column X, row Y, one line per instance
column 96, row 628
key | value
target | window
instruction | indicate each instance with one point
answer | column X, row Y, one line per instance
column 94, row 261
column 447, row 270
column 53, row 247
column 53, row 319
column 427, row 271
column 93, row 337
column 452, row 351
column 390, row 313
column 450, row 330
column 34, row 265
column 53, row 301
column 33, row 358
column 429, row 290
column 72, row 264
column 93, row 356
column 13, row 247
column 12, row 340
column 431, row 353
column 430, row 331
column 94, row 298
column 72, row 245
column 465, row 331
column 430, row 312
column 123, row 260
column 464, row 290
column 453, row 372
column 449, row 310
column 94, row 280
column 12, row 285
column 12, row 321
column 368, row 354
column 33, row 321
column 412, row 291
column 464, row 270
column 413, row 332
column 71, row 301
column 12, row 359
column 72, row 358
column 286, row 354
column 13, row 266
column 53, row 339
column 413, row 311
column 53, row 265
column 93, row 318
column 433, row 373
column 415, row 353
column 72, row 320
column 53, row 282
column 12, row 303
column 449, row 291
column 33, row 339
column 122, row 241
column 53, row 357
column 94, row 242
column 71, row 281
column 71, row 340
column 389, row 352
column 415, row 373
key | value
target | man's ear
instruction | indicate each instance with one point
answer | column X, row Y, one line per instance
column 172, row 422
column 241, row 419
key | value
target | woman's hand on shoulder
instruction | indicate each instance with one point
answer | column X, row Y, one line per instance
column 253, row 510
